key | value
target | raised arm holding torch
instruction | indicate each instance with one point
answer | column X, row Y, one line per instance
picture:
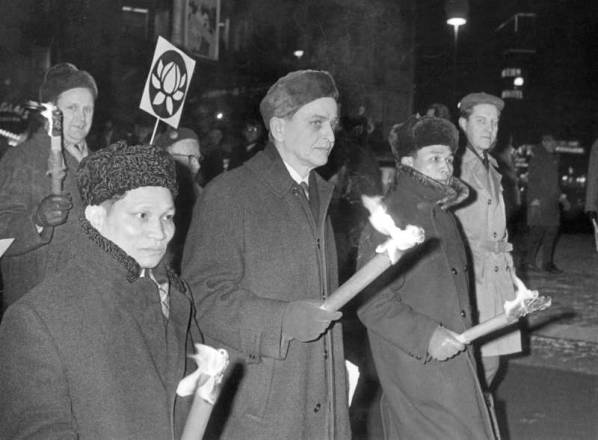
column 387, row 253
column 56, row 165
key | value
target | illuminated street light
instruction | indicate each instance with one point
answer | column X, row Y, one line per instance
column 518, row 81
column 298, row 53
column 456, row 13
column 219, row 115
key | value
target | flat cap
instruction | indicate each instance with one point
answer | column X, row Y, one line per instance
column 294, row 90
column 119, row 168
column 62, row 77
column 419, row 132
column 473, row 99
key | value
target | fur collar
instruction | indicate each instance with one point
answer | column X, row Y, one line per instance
column 161, row 272
column 445, row 195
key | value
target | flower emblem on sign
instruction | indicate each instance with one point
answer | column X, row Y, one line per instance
column 168, row 84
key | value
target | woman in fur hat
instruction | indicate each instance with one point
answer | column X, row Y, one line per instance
column 413, row 315
column 97, row 350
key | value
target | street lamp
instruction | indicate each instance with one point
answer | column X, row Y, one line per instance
column 456, row 15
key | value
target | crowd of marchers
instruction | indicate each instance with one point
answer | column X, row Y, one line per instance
column 149, row 249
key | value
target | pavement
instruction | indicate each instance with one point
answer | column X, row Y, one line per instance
column 565, row 336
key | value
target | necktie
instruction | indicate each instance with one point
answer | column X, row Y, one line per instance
column 485, row 159
column 305, row 188
column 162, row 290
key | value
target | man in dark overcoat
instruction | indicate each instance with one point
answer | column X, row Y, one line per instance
column 413, row 314
column 260, row 258
column 97, row 350
column 41, row 223
column 544, row 197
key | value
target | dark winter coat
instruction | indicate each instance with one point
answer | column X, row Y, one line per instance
column 423, row 398
column 253, row 246
column 543, row 186
column 24, row 182
column 87, row 353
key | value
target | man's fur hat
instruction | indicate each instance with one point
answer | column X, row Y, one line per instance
column 419, row 132
column 62, row 77
column 293, row 91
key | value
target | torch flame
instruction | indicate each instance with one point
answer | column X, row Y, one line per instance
column 525, row 301
column 402, row 239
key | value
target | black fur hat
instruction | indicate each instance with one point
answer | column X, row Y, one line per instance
column 119, row 168
column 419, row 132
column 62, row 77
column 294, row 90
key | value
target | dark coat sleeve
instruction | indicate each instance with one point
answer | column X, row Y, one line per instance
column 19, row 197
column 384, row 312
column 34, row 390
column 213, row 264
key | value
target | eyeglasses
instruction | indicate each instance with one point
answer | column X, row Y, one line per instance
column 189, row 157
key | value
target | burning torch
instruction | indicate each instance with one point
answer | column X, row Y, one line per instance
column 526, row 302
column 388, row 253
column 56, row 165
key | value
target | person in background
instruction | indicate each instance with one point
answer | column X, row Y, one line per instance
column 439, row 110
column 544, row 197
column 41, row 223
column 253, row 141
column 97, row 350
column 430, row 388
column 183, row 146
column 260, row 259
column 483, row 219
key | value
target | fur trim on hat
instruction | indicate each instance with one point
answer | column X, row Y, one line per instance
column 118, row 168
column 416, row 133
column 62, row 77
column 293, row 91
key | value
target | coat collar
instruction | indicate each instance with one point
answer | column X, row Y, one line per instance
column 120, row 261
column 443, row 195
column 268, row 166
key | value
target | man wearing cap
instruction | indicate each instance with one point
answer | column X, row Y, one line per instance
column 97, row 350
column 42, row 223
column 484, row 223
column 430, row 388
column 260, row 258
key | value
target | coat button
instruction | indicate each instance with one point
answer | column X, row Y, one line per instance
column 317, row 407
column 463, row 314
column 494, row 235
column 495, row 268
column 454, row 271
column 490, row 201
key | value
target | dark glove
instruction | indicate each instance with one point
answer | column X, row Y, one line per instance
column 592, row 215
column 53, row 210
column 306, row 321
column 444, row 344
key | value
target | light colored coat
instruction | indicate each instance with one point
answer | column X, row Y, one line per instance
column 253, row 246
column 484, row 224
